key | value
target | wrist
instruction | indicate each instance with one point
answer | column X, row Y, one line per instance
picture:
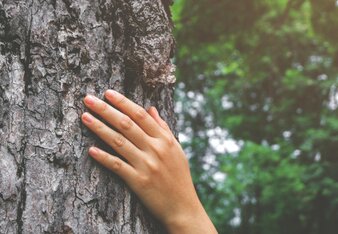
column 191, row 222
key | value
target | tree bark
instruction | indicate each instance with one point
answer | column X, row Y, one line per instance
column 53, row 53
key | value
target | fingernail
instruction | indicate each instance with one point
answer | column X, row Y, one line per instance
column 93, row 151
column 110, row 93
column 154, row 108
column 87, row 118
column 89, row 100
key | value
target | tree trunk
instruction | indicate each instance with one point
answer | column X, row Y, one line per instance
column 52, row 53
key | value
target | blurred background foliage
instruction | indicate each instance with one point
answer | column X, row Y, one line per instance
column 258, row 111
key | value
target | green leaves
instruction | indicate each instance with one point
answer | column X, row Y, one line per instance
column 267, row 72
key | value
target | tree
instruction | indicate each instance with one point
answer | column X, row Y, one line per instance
column 52, row 53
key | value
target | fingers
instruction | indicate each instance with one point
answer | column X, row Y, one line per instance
column 135, row 112
column 118, row 142
column 115, row 164
column 154, row 113
column 117, row 119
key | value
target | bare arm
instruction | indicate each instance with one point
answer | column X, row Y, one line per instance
column 156, row 168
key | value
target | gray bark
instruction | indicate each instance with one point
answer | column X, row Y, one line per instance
column 53, row 53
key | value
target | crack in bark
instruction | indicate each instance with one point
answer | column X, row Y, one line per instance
column 22, row 202
column 28, row 59
column 21, row 171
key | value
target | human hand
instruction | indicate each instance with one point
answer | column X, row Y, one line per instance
column 156, row 168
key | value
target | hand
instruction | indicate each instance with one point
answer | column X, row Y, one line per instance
column 156, row 168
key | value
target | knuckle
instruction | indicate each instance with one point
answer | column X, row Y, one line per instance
column 157, row 148
column 119, row 140
column 169, row 140
column 99, row 127
column 116, row 164
column 103, row 107
column 141, row 113
column 153, row 167
column 126, row 123
column 144, row 181
column 162, row 146
column 104, row 158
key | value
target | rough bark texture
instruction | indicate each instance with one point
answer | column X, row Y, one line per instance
column 52, row 53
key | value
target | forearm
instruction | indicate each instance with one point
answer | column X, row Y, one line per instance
column 199, row 223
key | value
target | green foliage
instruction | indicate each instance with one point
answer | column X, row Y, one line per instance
column 267, row 72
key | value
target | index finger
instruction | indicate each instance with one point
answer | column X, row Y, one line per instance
column 138, row 114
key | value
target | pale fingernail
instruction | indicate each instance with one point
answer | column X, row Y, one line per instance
column 111, row 93
column 87, row 118
column 89, row 100
column 93, row 151
column 154, row 109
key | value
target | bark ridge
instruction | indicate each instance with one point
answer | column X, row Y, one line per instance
column 52, row 53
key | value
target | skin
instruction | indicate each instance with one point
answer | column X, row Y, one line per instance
column 156, row 168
